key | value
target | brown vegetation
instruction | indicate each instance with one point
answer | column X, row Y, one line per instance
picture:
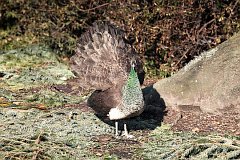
column 167, row 34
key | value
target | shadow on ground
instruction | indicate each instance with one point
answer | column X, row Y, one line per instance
column 149, row 119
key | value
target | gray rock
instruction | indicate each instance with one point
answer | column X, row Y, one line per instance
column 210, row 81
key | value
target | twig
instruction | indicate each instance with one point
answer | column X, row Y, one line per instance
column 199, row 31
column 87, row 10
column 37, row 141
column 184, row 54
column 12, row 141
column 204, row 26
column 230, row 16
column 34, row 157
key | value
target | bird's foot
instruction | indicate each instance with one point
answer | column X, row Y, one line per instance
column 117, row 137
column 128, row 136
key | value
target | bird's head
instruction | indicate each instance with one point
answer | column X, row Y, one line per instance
column 137, row 65
column 133, row 63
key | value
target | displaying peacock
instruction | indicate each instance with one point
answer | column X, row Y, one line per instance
column 107, row 65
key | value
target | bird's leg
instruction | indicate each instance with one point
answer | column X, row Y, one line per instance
column 116, row 128
column 126, row 132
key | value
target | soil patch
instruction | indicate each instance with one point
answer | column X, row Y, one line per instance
column 228, row 123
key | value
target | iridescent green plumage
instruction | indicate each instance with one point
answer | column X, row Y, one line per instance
column 132, row 98
column 132, row 94
column 132, row 102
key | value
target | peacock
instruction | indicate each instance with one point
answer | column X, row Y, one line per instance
column 108, row 65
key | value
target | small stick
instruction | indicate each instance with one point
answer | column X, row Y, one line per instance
column 37, row 141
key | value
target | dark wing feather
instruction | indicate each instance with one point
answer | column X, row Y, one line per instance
column 102, row 58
